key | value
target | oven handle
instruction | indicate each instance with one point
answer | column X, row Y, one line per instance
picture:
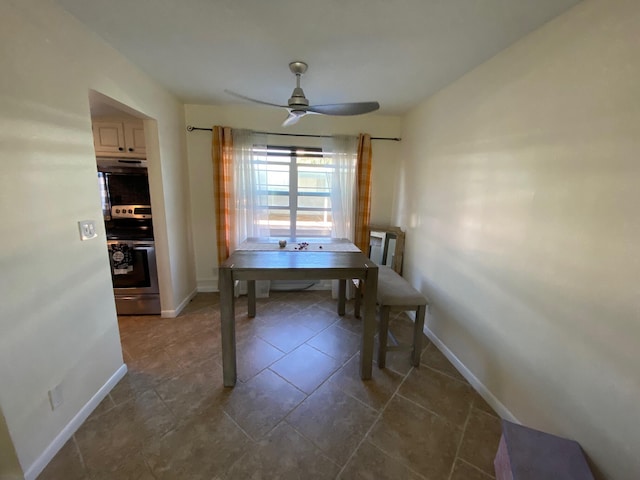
column 132, row 243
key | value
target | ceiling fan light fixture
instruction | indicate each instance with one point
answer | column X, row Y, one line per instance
column 298, row 99
column 298, row 104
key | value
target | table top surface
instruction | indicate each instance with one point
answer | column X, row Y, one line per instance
column 299, row 244
column 287, row 259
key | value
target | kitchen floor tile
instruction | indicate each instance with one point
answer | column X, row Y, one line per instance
column 303, row 414
column 337, row 342
column 306, row 367
column 424, row 441
column 261, row 403
column 439, row 393
column 283, row 454
column 369, row 462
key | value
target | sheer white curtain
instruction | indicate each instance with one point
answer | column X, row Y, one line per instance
column 344, row 153
column 250, row 184
column 250, row 187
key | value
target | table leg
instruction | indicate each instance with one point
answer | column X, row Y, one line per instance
column 228, row 327
column 369, row 322
column 251, row 298
column 342, row 294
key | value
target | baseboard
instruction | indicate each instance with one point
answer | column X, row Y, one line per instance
column 65, row 434
column 484, row 392
column 207, row 285
column 183, row 304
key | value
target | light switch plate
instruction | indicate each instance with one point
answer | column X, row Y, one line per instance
column 55, row 396
column 87, row 229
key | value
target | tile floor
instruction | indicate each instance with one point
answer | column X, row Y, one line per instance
column 299, row 409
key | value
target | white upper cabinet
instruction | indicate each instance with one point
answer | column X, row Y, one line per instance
column 119, row 138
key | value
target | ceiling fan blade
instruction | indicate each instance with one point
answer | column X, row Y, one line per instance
column 356, row 108
column 292, row 118
column 244, row 97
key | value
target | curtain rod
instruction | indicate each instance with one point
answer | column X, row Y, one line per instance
column 393, row 139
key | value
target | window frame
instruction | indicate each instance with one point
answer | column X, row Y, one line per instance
column 295, row 155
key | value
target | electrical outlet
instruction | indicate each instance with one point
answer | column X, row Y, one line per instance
column 55, row 396
column 87, row 229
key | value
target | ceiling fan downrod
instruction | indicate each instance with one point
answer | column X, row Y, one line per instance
column 298, row 101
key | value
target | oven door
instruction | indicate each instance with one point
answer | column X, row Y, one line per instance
column 133, row 267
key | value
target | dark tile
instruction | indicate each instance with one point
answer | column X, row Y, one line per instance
column 464, row 471
column 316, row 318
column 157, row 366
column 253, row 356
column 439, row 393
column 108, row 440
column 284, row 454
column 304, row 299
column 275, row 311
column 481, row 404
column 334, row 421
column 435, row 359
column 371, row 463
column 66, row 464
column 306, row 367
column 171, row 418
column 132, row 468
column 133, row 384
column 194, row 348
column 337, row 342
column 199, row 449
column 261, row 403
column 193, row 390
column 285, row 335
column 375, row 392
column 480, row 441
column 422, row 440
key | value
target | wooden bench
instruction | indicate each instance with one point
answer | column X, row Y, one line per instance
column 395, row 294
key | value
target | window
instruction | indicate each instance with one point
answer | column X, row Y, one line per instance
column 298, row 191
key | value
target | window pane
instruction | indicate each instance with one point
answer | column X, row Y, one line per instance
column 278, row 201
column 313, row 224
column 313, row 196
column 277, row 178
column 279, row 222
column 307, row 201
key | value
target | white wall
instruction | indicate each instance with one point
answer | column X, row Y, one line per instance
column 57, row 314
column 384, row 169
column 520, row 196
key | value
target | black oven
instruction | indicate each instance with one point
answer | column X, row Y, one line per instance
column 122, row 182
column 135, row 276
column 126, row 206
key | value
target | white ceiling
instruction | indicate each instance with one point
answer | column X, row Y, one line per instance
column 397, row 52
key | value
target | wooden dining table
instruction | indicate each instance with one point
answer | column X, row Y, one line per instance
column 265, row 259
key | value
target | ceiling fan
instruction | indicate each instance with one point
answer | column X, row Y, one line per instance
column 298, row 105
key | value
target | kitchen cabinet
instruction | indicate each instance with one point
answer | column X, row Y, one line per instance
column 122, row 139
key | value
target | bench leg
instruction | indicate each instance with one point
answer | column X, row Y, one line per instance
column 383, row 335
column 251, row 298
column 342, row 295
column 418, row 328
column 357, row 300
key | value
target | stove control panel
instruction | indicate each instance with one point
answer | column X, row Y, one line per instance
column 131, row 211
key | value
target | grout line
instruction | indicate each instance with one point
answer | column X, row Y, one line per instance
column 284, row 420
column 373, row 424
column 461, row 460
column 82, row 462
column 251, row 439
column 464, row 431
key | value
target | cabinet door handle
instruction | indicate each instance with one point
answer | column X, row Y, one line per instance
column 131, row 149
column 121, row 149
